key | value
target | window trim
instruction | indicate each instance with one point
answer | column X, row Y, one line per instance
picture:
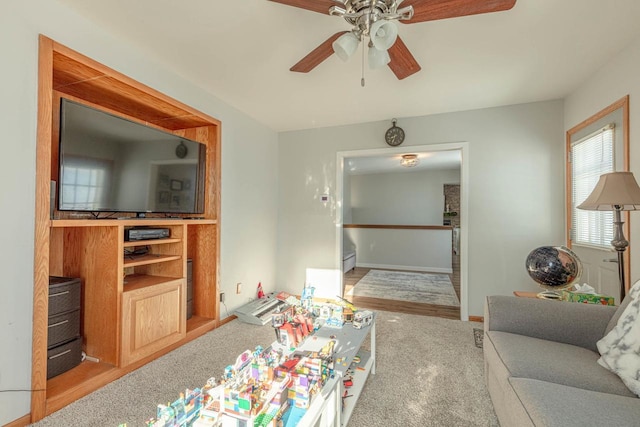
column 622, row 103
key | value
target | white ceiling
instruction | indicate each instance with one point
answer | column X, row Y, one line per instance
column 241, row 52
column 437, row 160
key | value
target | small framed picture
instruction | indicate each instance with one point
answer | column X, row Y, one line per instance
column 176, row 185
column 175, row 201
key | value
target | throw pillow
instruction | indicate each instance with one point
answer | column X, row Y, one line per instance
column 616, row 316
column 620, row 348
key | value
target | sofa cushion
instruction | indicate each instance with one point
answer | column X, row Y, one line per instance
column 620, row 348
column 551, row 404
column 560, row 363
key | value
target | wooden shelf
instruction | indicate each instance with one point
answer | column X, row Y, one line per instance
column 79, row 381
column 198, row 322
column 133, row 222
column 133, row 243
column 149, row 259
column 133, row 282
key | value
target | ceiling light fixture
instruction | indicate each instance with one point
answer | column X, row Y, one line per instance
column 409, row 160
column 370, row 18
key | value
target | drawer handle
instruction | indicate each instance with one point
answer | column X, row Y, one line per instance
column 59, row 323
column 61, row 354
column 58, row 294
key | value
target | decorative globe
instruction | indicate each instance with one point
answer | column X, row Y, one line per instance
column 554, row 267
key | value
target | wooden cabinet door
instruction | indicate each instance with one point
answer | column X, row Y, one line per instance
column 152, row 318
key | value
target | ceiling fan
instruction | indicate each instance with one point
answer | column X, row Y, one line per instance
column 375, row 19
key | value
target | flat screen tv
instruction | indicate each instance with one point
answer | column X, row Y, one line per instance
column 110, row 164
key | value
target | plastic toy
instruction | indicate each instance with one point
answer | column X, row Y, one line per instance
column 362, row 319
column 306, row 299
column 260, row 292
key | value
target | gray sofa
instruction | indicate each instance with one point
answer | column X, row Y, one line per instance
column 541, row 364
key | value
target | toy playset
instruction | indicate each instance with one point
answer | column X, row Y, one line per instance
column 270, row 387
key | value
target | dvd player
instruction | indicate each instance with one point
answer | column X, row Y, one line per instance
column 146, row 233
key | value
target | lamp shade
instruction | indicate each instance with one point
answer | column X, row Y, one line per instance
column 345, row 45
column 378, row 58
column 614, row 189
column 383, row 34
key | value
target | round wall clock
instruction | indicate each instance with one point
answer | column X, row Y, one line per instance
column 394, row 135
column 181, row 150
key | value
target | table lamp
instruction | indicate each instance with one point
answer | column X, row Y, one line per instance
column 615, row 191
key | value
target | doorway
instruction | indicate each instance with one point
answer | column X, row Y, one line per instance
column 461, row 148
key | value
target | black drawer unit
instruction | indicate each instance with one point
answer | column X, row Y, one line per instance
column 64, row 357
column 64, row 294
column 63, row 327
column 64, row 343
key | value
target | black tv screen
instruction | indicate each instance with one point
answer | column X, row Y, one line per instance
column 110, row 164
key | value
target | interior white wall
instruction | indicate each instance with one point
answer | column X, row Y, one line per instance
column 347, row 217
column 401, row 198
column 415, row 250
column 249, row 177
column 618, row 78
column 516, row 190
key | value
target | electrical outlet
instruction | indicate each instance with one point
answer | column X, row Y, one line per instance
column 221, row 296
column 238, row 287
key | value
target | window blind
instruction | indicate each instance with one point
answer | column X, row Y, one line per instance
column 86, row 183
column 591, row 157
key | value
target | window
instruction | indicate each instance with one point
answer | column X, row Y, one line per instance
column 86, row 183
column 591, row 156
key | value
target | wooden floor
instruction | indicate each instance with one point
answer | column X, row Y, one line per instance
column 352, row 277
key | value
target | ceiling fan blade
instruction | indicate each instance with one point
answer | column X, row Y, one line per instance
column 432, row 10
column 403, row 64
column 316, row 56
column 320, row 6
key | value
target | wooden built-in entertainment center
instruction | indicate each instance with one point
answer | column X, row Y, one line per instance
column 133, row 310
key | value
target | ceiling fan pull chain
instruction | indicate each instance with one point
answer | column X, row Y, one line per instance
column 362, row 79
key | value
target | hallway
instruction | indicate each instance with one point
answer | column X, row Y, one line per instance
column 352, row 277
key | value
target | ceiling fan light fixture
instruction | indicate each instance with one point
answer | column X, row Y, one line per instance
column 409, row 160
column 345, row 45
column 383, row 34
column 371, row 18
column 378, row 58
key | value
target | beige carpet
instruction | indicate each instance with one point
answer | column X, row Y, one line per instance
column 429, row 373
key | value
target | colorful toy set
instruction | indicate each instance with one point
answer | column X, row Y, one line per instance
column 257, row 390
column 292, row 325
column 265, row 387
column 182, row 412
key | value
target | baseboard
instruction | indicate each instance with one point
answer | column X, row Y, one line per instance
column 20, row 422
column 476, row 319
column 407, row 267
column 227, row 320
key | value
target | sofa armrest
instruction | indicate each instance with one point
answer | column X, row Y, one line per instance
column 566, row 322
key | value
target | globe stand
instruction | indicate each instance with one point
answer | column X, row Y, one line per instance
column 549, row 295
